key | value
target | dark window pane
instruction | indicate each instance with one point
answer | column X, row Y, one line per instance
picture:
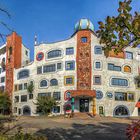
column 23, row 98
column 69, row 51
column 54, row 53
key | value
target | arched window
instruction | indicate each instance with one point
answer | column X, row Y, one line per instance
column 54, row 53
column 23, row 74
column 43, row 83
column 121, row 111
column 127, row 69
column 53, row 82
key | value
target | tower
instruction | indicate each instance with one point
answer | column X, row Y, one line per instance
column 13, row 59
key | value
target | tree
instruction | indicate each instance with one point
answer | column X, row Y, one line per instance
column 30, row 88
column 137, row 81
column 121, row 31
column 45, row 104
column 5, row 103
column 2, row 23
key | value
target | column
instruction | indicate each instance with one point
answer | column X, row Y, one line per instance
column 94, row 106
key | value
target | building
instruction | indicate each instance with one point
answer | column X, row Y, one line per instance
column 77, row 74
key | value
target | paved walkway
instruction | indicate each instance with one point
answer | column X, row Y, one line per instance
column 78, row 128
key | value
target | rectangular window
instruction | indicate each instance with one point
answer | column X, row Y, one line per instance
column 16, row 99
column 0, row 70
column 48, row 94
column 120, row 96
column 69, row 51
column 2, row 79
column 56, row 109
column 20, row 87
column 84, row 39
column 23, row 98
column 97, row 80
column 56, row 95
column 128, row 55
column 30, row 96
column 119, row 82
column 113, row 67
column 25, row 85
column 98, row 50
column 97, row 65
column 69, row 80
column 59, row 66
column 130, row 96
column 70, row 65
column 49, row 68
column 39, row 70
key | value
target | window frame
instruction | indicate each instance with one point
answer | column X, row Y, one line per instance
column 23, row 76
column 66, row 77
column 95, row 76
column 43, row 86
column 70, row 52
column 119, row 78
column 70, row 62
column 97, row 52
column 56, row 57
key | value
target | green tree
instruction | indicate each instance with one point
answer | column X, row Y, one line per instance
column 30, row 88
column 120, row 31
column 45, row 104
column 5, row 103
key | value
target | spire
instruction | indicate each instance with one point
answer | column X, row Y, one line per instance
column 35, row 43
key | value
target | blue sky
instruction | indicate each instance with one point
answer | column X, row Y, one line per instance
column 54, row 20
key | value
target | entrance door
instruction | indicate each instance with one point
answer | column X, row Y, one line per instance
column 84, row 105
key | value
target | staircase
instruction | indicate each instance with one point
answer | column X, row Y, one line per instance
column 85, row 115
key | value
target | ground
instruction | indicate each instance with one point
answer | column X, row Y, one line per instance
column 81, row 127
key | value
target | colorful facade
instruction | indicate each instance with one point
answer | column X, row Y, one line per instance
column 76, row 73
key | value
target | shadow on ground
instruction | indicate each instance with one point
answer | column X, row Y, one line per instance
column 101, row 131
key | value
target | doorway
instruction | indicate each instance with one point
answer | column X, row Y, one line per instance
column 84, row 105
column 138, row 111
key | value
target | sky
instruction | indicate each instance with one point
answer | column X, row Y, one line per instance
column 54, row 20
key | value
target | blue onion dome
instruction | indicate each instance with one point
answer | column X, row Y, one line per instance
column 84, row 24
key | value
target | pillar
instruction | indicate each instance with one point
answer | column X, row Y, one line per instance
column 72, row 104
column 94, row 106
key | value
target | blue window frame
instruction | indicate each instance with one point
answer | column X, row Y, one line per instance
column 43, row 83
column 69, row 51
column 23, row 74
column 70, row 65
column 128, row 55
column 113, row 67
column 98, row 49
column 54, row 82
column 97, row 65
column 83, row 39
column 54, row 53
column 99, row 94
column 119, row 82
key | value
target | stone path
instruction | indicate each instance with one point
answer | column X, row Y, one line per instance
column 78, row 128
